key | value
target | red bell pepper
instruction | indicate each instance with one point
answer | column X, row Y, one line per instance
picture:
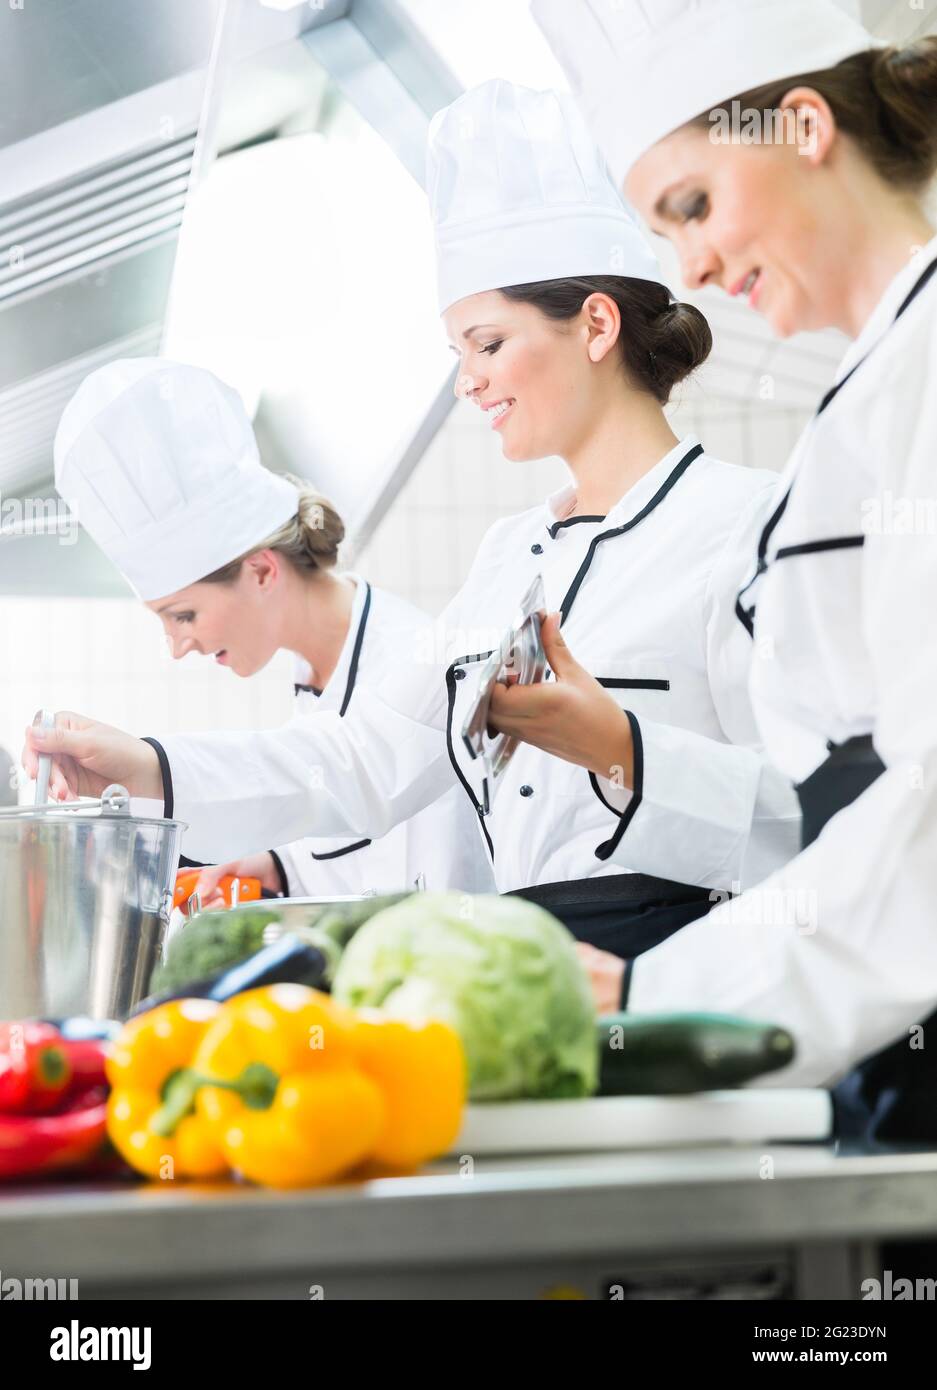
column 35, row 1072
column 45, row 1143
column 86, row 1060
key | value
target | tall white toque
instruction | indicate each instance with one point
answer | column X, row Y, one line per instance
column 520, row 193
column 641, row 68
column 158, row 461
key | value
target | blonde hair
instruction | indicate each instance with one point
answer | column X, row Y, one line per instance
column 309, row 540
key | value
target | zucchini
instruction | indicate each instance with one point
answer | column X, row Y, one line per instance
column 676, row 1054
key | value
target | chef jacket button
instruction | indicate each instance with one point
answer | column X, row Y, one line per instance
column 536, row 549
column 459, row 673
column 527, row 791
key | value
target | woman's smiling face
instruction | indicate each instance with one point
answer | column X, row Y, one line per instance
column 754, row 219
column 528, row 372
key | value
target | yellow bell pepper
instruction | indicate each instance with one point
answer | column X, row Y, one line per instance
column 151, row 1118
column 290, row 1105
column 421, row 1071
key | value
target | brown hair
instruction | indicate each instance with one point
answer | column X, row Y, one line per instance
column 309, row 540
column 884, row 98
column 662, row 341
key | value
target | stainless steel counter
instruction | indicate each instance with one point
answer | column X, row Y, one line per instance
column 775, row 1221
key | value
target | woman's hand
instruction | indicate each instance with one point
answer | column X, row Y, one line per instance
column 260, row 866
column 606, row 974
column 87, row 757
column 572, row 717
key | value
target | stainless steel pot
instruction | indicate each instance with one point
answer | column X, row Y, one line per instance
column 85, row 899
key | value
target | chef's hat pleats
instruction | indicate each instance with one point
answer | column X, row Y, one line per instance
column 159, row 463
column 519, row 192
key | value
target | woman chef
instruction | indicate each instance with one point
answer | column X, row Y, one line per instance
column 826, row 229
column 238, row 563
column 571, row 344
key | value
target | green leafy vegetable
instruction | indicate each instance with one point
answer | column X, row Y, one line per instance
column 209, row 943
column 501, row 971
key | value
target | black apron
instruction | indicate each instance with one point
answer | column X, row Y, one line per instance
column 625, row 914
column 891, row 1096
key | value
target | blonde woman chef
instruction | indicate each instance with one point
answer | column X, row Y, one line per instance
column 643, row 554
column 825, row 229
column 159, row 461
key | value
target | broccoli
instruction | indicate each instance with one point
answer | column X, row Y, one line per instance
column 211, row 943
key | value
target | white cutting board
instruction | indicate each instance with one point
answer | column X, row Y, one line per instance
column 641, row 1122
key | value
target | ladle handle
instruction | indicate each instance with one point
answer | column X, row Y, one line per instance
column 45, row 719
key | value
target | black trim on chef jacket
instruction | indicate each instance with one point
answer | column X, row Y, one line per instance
column 614, row 683
column 638, row 744
column 645, row 511
column 746, row 616
column 558, row 526
column 359, row 641
column 814, row 547
column 340, row 853
column 169, row 800
column 346, row 700
column 625, row 817
column 352, row 665
column 281, row 874
column 454, row 673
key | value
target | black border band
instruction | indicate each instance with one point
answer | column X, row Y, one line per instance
column 169, row 800
column 281, row 872
column 558, row 526
column 674, row 476
column 338, row 853
column 613, row 683
column 607, row 849
column 815, row 547
column 359, row 639
column 450, row 712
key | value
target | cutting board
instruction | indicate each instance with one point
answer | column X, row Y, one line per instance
column 641, row 1122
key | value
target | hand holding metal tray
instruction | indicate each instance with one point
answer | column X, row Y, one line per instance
column 519, row 659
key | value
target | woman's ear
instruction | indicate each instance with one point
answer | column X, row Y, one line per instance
column 603, row 325
column 808, row 123
column 264, row 568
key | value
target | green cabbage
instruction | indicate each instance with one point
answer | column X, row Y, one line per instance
column 501, row 971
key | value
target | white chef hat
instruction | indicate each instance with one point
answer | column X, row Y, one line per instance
column 159, row 463
column 519, row 192
column 640, row 70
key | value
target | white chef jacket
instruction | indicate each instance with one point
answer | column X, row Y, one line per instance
column 440, row 843
column 840, row 945
column 649, row 593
